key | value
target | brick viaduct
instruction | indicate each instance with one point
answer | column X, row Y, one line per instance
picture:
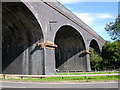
column 25, row 24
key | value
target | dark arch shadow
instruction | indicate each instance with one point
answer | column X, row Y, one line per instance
column 20, row 30
column 95, row 46
column 68, row 53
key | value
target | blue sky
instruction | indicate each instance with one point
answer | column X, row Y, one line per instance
column 94, row 14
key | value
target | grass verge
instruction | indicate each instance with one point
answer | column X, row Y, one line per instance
column 89, row 73
column 91, row 78
column 73, row 79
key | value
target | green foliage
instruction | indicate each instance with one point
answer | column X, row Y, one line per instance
column 111, row 54
column 95, row 60
column 113, row 29
column 109, row 59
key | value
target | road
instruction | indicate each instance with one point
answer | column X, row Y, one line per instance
column 11, row 84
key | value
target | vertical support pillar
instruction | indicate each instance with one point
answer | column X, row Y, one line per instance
column 25, row 63
column 0, row 42
column 49, row 61
column 0, row 37
column 88, row 59
column 37, row 61
column 49, row 54
column 88, row 63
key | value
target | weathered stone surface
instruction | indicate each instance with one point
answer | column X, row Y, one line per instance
column 20, row 31
column 26, row 23
column 68, row 54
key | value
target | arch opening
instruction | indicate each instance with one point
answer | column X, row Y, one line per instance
column 20, row 31
column 95, row 46
column 95, row 55
column 68, row 54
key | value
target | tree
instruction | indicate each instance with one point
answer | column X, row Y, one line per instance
column 95, row 60
column 113, row 29
column 111, row 54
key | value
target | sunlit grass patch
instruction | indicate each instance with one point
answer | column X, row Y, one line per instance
column 78, row 79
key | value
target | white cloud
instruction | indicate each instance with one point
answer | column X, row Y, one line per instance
column 68, row 1
column 62, row 1
column 89, row 18
column 104, row 15
column 85, row 17
column 76, row 1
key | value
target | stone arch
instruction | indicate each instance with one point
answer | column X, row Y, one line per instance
column 68, row 54
column 94, row 45
column 20, row 32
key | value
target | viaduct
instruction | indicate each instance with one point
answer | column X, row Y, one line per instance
column 40, row 37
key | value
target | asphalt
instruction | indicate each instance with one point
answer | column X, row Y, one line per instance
column 14, row 84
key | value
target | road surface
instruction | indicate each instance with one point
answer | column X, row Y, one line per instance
column 13, row 84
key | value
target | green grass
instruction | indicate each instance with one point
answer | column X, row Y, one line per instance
column 88, row 73
column 74, row 79
column 82, row 78
column 91, row 78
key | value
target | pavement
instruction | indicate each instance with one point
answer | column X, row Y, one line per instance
column 14, row 84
